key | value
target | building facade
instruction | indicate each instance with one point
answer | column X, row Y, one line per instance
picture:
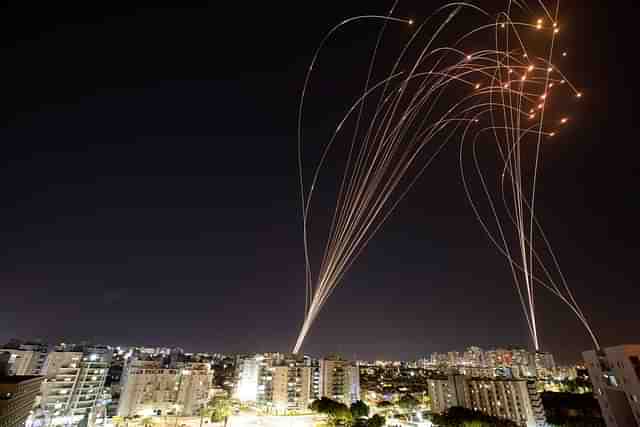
column 17, row 397
column 23, row 362
column 26, row 358
column 277, row 383
column 291, row 388
column 250, row 370
column 339, row 380
column 513, row 399
column 73, row 382
column 149, row 388
column 615, row 375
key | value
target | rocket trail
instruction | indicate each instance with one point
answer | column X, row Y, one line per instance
column 493, row 84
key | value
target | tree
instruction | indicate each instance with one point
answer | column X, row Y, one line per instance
column 408, row 403
column 376, row 421
column 337, row 412
column 458, row 416
column 359, row 409
column 218, row 409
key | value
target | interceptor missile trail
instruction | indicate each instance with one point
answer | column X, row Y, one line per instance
column 494, row 83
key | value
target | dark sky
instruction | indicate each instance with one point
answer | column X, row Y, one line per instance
column 148, row 158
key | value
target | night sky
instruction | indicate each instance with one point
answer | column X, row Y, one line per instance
column 148, row 162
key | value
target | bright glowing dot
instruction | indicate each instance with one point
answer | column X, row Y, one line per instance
column 530, row 68
column 532, row 110
column 540, row 21
column 540, row 106
column 525, row 55
column 539, row 27
column 510, row 71
column 477, row 85
column 555, row 24
column 549, row 70
column 562, row 81
column 523, row 78
column 564, row 120
column 564, row 53
column 501, row 25
column 506, row 85
column 543, row 96
column 552, row 134
column 468, row 57
column 410, row 21
column 531, row 116
column 579, row 95
column 550, row 85
column 556, row 31
column 476, row 121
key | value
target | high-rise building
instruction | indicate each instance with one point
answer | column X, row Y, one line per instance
column 443, row 394
column 544, row 365
column 73, row 383
column 473, row 356
column 277, row 383
column 453, row 358
column 149, row 388
column 291, row 388
column 615, row 375
column 249, row 370
column 513, row 399
column 17, row 397
column 339, row 380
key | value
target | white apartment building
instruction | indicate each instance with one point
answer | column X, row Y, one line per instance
column 73, row 383
column 148, row 388
column 513, row 399
column 615, row 375
column 24, row 362
column 339, row 380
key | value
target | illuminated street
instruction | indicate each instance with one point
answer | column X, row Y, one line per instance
column 247, row 419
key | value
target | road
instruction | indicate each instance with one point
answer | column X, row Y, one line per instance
column 249, row 419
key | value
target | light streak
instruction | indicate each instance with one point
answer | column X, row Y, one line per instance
column 401, row 123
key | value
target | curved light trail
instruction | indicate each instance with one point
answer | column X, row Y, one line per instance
column 492, row 83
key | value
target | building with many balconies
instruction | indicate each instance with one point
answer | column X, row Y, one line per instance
column 150, row 388
column 73, row 382
column 513, row 399
column 339, row 380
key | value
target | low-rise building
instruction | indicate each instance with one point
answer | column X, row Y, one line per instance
column 17, row 397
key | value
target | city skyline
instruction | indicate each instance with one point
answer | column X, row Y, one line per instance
column 141, row 203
